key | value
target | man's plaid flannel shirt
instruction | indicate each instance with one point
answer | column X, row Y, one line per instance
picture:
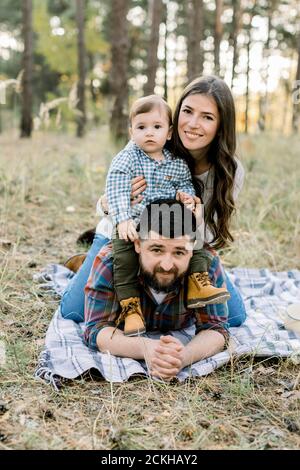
column 164, row 178
column 102, row 307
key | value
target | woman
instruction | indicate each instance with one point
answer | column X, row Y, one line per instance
column 204, row 135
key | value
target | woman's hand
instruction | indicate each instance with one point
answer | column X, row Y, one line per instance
column 138, row 185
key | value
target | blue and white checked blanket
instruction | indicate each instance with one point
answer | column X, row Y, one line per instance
column 263, row 333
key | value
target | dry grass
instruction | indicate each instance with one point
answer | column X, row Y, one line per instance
column 245, row 405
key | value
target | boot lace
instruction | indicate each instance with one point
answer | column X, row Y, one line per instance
column 203, row 279
column 131, row 308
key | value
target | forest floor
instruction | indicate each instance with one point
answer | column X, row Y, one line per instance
column 48, row 190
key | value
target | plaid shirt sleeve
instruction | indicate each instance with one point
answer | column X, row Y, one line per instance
column 213, row 321
column 214, row 316
column 118, row 187
column 185, row 181
column 101, row 305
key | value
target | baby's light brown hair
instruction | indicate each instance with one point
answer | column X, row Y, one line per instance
column 147, row 104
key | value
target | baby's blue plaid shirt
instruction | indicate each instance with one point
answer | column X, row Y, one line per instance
column 164, row 179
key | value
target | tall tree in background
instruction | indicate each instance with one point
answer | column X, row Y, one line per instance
column 119, row 68
column 296, row 94
column 247, row 95
column 248, row 29
column 236, row 26
column 27, row 64
column 195, row 57
column 218, row 34
column 155, row 13
column 81, row 54
column 263, row 103
column 165, row 20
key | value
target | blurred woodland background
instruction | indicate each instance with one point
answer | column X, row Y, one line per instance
column 76, row 64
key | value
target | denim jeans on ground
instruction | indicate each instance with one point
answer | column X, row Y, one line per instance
column 72, row 303
column 236, row 308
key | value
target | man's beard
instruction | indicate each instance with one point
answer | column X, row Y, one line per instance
column 154, row 283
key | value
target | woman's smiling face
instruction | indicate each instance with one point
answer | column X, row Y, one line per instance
column 198, row 123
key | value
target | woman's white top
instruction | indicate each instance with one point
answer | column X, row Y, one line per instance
column 105, row 226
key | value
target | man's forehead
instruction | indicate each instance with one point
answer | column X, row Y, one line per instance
column 159, row 240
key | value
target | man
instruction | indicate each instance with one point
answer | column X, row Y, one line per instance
column 165, row 246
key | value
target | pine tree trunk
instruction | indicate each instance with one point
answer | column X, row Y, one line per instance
column 286, row 98
column 119, row 70
column 247, row 81
column 263, row 101
column 195, row 56
column 91, row 86
column 296, row 95
column 27, row 65
column 218, row 34
column 265, row 72
column 236, row 25
column 81, row 55
column 248, row 49
column 166, row 56
column 156, row 13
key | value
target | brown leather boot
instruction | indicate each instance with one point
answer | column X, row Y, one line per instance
column 132, row 314
column 75, row 262
column 201, row 292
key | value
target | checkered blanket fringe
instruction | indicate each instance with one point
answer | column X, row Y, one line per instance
column 263, row 334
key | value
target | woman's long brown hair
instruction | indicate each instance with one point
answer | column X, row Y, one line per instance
column 221, row 156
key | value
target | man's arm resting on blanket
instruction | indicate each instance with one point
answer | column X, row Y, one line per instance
column 168, row 352
column 115, row 342
column 205, row 344
column 165, row 357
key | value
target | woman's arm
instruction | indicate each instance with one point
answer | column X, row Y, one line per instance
column 238, row 179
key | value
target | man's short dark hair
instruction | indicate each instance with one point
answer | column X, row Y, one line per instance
column 168, row 218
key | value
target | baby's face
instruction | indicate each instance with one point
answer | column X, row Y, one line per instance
column 150, row 131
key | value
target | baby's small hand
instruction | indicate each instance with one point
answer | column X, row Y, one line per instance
column 186, row 199
column 127, row 230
